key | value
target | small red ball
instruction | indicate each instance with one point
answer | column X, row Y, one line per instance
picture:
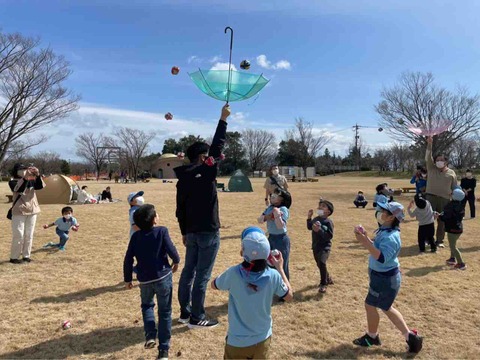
column 175, row 70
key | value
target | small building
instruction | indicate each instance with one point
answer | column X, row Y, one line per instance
column 297, row 171
column 165, row 165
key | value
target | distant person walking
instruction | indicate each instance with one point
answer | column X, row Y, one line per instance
column 441, row 182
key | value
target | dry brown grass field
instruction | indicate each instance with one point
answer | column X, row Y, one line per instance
column 84, row 284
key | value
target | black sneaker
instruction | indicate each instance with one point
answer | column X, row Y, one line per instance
column 162, row 355
column 415, row 342
column 367, row 341
column 200, row 324
column 15, row 261
column 27, row 260
column 149, row 344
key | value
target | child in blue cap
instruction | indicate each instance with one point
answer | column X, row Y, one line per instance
column 252, row 286
column 385, row 277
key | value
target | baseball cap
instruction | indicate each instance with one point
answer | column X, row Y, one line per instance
column 255, row 245
column 133, row 195
column 395, row 208
column 458, row 194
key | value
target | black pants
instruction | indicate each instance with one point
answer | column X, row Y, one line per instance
column 426, row 234
column 471, row 202
column 321, row 258
column 361, row 203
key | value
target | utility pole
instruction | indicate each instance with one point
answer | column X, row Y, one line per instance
column 357, row 153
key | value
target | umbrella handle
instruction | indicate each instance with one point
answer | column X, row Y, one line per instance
column 229, row 61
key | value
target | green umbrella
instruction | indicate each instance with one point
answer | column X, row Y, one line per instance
column 228, row 85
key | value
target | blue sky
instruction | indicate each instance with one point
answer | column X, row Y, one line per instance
column 335, row 56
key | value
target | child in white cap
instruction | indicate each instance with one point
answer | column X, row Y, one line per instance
column 252, row 286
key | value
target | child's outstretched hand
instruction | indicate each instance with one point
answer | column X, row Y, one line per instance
column 128, row 285
column 261, row 219
column 310, row 213
column 75, row 227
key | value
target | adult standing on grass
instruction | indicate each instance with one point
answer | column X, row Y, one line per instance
column 441, row 182
column 26, row 180
column 197, row 214
column 274, row 181
column 468, row 184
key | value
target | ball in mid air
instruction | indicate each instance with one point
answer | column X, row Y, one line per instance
column 175, row 70
column 168, row 116
column 245, row 65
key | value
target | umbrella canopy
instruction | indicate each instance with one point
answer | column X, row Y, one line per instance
column 228, row 85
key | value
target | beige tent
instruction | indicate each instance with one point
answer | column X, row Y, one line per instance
column 59, row 189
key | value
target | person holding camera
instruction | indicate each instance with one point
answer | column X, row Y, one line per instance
column 25, row 208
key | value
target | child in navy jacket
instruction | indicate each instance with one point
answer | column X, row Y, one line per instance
column 151, row 246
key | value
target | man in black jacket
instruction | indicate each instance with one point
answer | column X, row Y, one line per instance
column 197, row 214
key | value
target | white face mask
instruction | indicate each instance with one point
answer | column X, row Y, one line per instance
column 469, row 175
column 140, row 200
column 320, row 212
column 275, row 172
column 273, row 197
column 67, row 217
column 22, row 173
column 440, row 164
column 424, row 176
column 379, row 219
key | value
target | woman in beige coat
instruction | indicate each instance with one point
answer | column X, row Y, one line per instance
column 24, row 211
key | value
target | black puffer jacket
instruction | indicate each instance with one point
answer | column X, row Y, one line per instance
column 452, row 216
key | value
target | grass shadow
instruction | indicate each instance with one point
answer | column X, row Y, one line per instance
column 230, row 237
column 470, row 249
column 300, row 296
column 103, row 341
column 423, row 271
column 81, row 295
column 216, row 311
column 347, row 351
column 407, row 251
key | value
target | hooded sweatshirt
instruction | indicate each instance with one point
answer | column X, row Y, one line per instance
column 452, row 216
column 250, row 303
column 197, row 199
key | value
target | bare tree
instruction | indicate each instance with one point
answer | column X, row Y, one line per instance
column 382, row 159
column 464, row 154
column 89, row 147
column 401, row 157
column 135, row 144
column 311, row 144
column 417, row 102
column 260, row 148
column 48, row 162
column 31, row 87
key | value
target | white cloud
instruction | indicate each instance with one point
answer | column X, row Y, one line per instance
column 222, row 66
column 263, row 62
column 215, row 59
column 193, row 58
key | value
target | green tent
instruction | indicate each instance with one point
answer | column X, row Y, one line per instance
column 239, row 182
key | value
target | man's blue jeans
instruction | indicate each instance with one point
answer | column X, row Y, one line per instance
column 202, row 249
column 63, row 235
column 163, row 290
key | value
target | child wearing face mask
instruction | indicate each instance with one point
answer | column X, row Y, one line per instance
column 385, row 277
column 275, row 181
column 468, row 185
column 135, row 199
column 360, row 200
column 420, row 180
column 64, row 224
column 383, row 196
column 276, row 216
column 322, row 235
